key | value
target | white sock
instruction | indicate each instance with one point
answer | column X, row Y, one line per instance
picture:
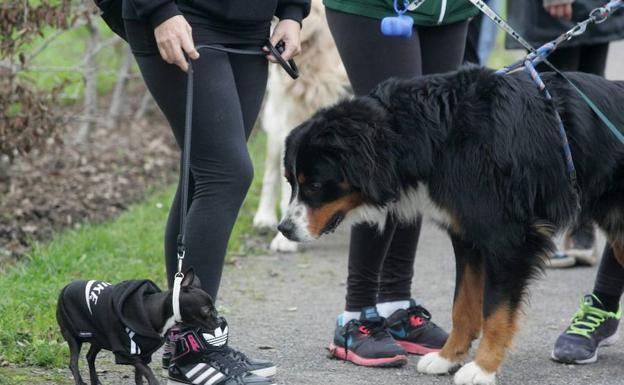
column 348, row 316
column 385, row 309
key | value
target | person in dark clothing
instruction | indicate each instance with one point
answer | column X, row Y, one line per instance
column 381, row 264
column 596, row 321
column 228, row 92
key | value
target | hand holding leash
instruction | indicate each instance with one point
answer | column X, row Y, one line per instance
column 175, row 40
column 286, row 32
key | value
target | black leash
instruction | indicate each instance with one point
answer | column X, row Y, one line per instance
column 291, row 69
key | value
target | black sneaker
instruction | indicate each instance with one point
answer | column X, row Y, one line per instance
column 413, row 329
column 591, row 328
column 366, row 342
column 203, row 358
column 262, row 368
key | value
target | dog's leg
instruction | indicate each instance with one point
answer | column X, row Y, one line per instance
column 74, row 355
column 502, row 291
column 91, row 356
column 467, row 311
column 138, row 376
column 142, row 370
column 266, row 216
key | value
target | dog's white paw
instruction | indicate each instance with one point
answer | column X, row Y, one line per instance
column 472, row 374
column 265, row 220
column 281, row 244
column 433, row 363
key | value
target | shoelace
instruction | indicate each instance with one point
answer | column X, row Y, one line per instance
column 586, row 320
column 375, row 329
column 419, row 311
column 417, row 316
column 227, row 362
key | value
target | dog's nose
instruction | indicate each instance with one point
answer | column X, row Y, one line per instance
column 286, row 227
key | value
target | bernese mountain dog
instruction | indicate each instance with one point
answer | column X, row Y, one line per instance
column 481, row 155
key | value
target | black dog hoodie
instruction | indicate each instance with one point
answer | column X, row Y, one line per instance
column 112, row 315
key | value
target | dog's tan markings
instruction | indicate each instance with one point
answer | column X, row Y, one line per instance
column 618, row 251
column 454, row 224
column 498, row 331
column 467, row 315
column 301, row 179
column 319, row 218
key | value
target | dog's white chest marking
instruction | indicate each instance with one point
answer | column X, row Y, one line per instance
column 411, row 204
column 414, row 202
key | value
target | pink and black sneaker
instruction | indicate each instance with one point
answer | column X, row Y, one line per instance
column 413, row 329
column 203, row 357
column 366, row 342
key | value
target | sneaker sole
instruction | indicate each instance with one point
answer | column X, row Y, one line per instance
column 264, row 372
column 604, row 343
column 175, row 382
column 561, row 262
column 388, row 362
column 585, row 257
column 417, row 349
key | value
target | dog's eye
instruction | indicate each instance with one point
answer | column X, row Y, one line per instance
column 315, row 187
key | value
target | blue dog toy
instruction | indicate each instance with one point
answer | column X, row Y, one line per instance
column 399, row 25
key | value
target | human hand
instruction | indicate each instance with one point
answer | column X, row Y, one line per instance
column 174, row 38
column 561, row 11
column 289, row 32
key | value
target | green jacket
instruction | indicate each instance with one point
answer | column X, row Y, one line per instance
column 430, row 13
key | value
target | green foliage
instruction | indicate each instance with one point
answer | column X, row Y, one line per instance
column 67, row 51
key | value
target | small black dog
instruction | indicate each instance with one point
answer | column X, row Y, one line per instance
column 130, row 319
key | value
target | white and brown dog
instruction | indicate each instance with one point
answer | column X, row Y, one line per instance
column 323, row 82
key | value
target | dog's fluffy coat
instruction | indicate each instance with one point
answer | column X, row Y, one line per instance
column 480, row 152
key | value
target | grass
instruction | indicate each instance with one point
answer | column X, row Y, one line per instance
column 126, row 248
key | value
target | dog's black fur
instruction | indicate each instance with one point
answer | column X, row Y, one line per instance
column 488, row 149
column 196, row 307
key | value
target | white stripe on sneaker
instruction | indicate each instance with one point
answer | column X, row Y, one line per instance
column 214, row 379
column 195, row 370
column 204, row 375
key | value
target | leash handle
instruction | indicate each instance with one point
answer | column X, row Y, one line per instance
column 289, row 66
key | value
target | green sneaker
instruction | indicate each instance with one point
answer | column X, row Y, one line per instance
column 591, row 328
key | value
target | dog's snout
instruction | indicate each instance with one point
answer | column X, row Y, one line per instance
column 286, row 227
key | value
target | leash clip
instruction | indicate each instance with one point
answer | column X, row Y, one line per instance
column 599, row 15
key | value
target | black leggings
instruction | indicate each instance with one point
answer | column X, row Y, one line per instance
column 381, row 266
column 228, row 93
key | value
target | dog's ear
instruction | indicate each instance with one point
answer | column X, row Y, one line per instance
column 358, row 132
column 190, row 279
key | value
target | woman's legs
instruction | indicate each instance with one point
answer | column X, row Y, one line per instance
column 397, row 270
column 370, row 58
column 228, row 92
